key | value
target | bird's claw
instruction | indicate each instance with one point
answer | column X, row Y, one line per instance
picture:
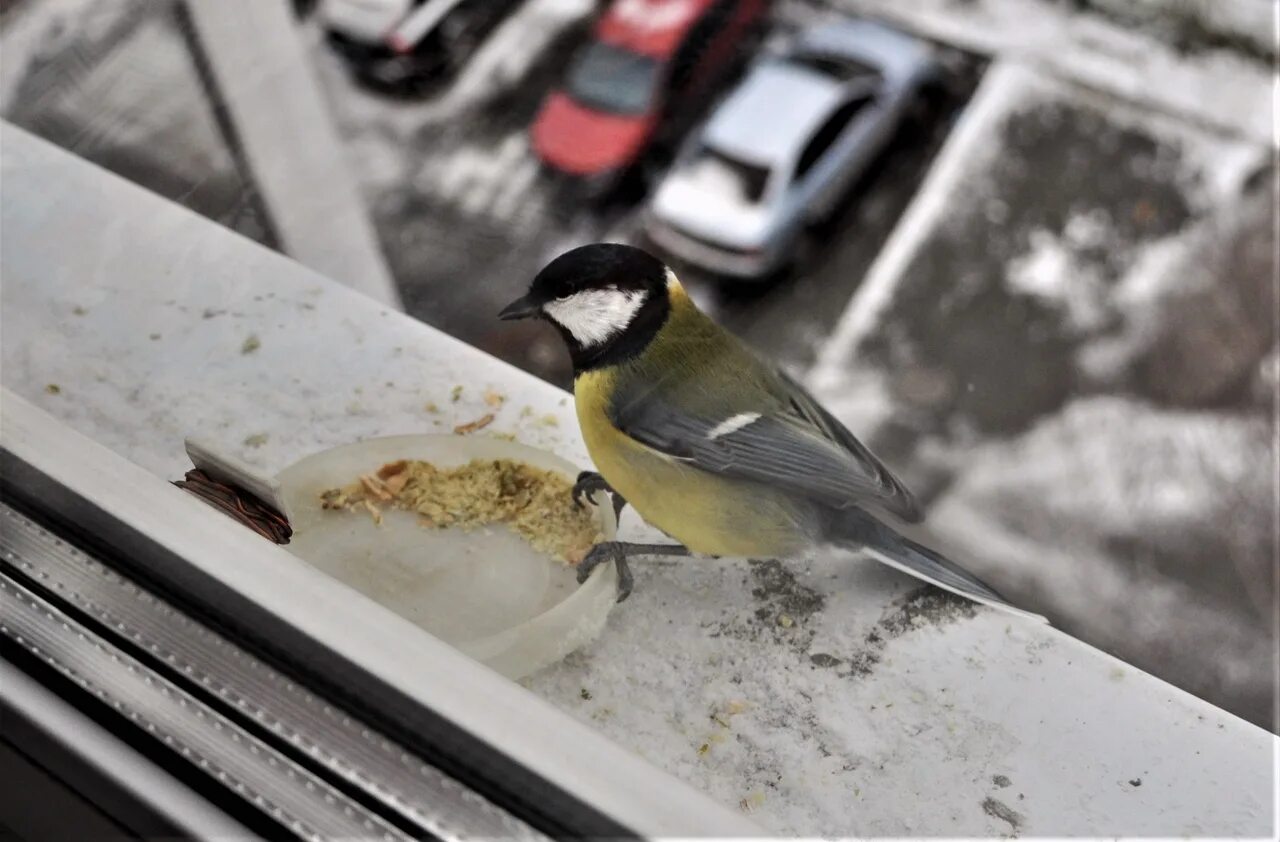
column 588, row 483
column 604, row 552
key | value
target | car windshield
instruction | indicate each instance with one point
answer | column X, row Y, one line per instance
column 716, row 172
column 609, row 78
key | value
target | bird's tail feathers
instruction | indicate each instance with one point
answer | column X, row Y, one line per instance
column 923, row 563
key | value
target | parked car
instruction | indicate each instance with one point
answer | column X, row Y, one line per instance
column 786, row 145
column 638, row 81
column 405, row 46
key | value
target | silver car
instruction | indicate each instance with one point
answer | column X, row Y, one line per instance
column 782, row 149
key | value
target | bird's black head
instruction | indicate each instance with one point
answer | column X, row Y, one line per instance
column 608, row 301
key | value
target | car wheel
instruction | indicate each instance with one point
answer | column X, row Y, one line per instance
column 802, row 255
column 650, row 171
column 807, row 248
column 927, row 105
column 797, row 262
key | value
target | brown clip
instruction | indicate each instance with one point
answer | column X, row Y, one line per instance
column 239, row 505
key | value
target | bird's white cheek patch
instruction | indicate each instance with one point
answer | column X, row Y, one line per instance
column 596, row 315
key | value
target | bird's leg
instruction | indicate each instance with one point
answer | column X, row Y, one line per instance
column 618, row 552
column 588, row 483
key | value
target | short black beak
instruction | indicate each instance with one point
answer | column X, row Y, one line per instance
column 521, row 308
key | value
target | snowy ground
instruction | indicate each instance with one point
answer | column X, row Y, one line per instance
column 1060, row 280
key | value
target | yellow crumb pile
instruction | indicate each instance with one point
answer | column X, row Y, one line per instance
column 537, row 504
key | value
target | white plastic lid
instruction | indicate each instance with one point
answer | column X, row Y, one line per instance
column 487, row 591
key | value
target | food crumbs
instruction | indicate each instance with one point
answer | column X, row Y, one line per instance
column 549, row 420
column 704, row 748
column 471, row 426
column 493, row 399
column 431, row 407
column 455, row 393
column 53, row 389
column 393, row 477
column 255, row 440
column 536, row 504
column 375, row 487
column 584, row 694
column 251, row 344
column 78, row 310
column 526, row 412
column 785, row 621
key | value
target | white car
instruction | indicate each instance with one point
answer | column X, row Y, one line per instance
column 786, row 145
column 363, row 22
column 403, row 46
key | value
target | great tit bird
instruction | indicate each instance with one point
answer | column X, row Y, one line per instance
column 711, row 445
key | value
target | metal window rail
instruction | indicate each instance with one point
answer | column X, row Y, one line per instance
column 295, row 798
column 86, row 775
column 199, row 656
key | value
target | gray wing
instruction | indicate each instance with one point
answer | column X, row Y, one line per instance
column 796, row 446
column 885, row 488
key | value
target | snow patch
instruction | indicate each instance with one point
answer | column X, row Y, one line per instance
column 1215, row 86
column 1051, row 272
column 1209, row 168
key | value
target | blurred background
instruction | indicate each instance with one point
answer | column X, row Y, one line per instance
column 1025, row 248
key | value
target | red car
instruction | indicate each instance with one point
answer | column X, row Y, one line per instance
column 648, row 65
